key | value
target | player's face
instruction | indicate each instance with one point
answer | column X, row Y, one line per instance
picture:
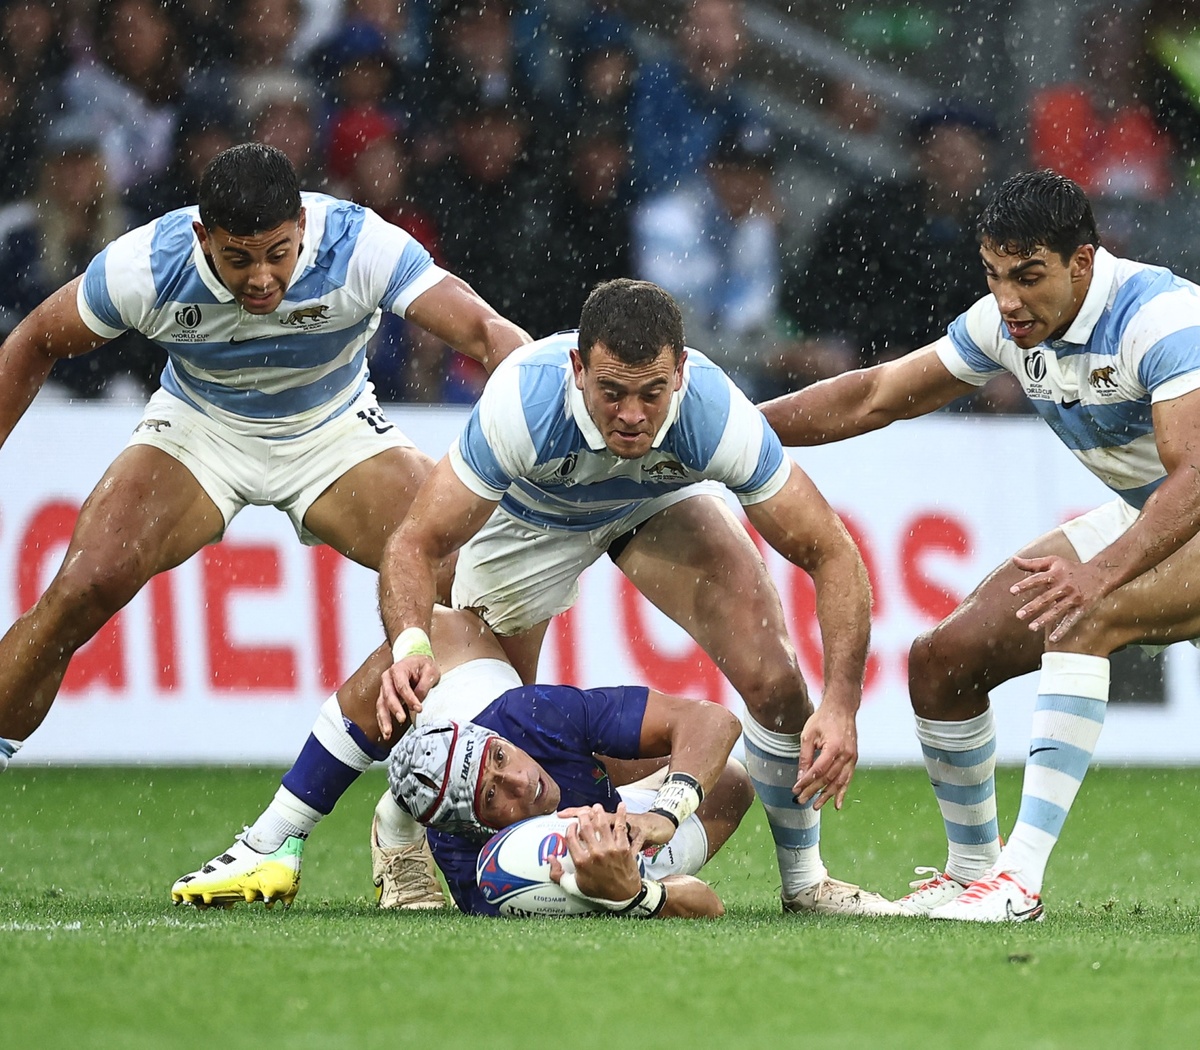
column 256, row 269
column 514, row 787
column 628, row 403
column 1039, row 295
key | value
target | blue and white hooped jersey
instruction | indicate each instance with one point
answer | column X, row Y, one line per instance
column 275, row 375
column 1136, row 341
column 531, row 444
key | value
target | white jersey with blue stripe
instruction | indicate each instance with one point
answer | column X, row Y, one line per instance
column 275, row 375
column 531, row 444
column 1135, row 342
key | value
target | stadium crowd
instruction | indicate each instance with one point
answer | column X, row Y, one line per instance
column 537, row 147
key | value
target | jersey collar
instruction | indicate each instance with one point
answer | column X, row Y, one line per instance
column 1104, row 273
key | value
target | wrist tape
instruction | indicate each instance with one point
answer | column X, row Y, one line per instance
column 410, row 641
column 645, row 904
column 678, row 798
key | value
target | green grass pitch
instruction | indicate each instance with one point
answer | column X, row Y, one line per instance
column 93, row 954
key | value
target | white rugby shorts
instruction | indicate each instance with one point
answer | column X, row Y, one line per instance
column 514, row 574
column 237, row 470
column 1090, row 533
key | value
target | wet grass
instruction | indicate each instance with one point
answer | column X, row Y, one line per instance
column 92, row 953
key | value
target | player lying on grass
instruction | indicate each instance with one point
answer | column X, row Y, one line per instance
column 541, row 749
column 478, row 678
column 1107, row 351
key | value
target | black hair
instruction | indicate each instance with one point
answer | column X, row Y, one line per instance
column 1038, row 208
column 249, row 189
column 634, row 320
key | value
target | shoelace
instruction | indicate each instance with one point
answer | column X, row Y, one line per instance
column 933, row 877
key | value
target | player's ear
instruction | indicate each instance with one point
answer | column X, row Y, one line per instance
column 201, row 234
column 577, row 367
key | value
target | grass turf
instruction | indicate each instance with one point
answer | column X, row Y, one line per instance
column 93, row 954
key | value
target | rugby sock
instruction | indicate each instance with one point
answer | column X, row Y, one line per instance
column 393, row 826
column 8, row 748
column 960, row 758
column 1072, row 700
column 336, row 752
column 772, row 761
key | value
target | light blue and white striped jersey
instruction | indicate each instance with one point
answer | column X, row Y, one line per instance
column 531, row 444
column 1135, row 341
column 274, row 375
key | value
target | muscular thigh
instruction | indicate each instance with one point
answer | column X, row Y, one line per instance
column 356, row 514
column 1159, row 607
column 981, row 643
column 696, row 563
column 147, row 514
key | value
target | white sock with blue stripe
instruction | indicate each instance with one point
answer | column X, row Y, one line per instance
column 8, row 748
column 772, row 760
column 960, row 758
column 1071, row 704
column 332, row 758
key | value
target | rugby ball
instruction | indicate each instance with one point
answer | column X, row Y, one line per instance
column 513, row 870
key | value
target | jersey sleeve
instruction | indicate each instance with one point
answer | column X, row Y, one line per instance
column 117, row 292
column 496, row 446
column 395, row 266
column 970, row 347
column 1162, row 345
column 727, row 438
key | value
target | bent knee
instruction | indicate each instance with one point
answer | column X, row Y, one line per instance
column 776, row 697
column 97, row 585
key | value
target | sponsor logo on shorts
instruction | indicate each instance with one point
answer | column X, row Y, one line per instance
column 156, row 425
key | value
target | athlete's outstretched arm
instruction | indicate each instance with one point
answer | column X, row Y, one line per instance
column 864, row 400
column 444, row 515
column 456, row 314
column 802, row 527
column 53, row 330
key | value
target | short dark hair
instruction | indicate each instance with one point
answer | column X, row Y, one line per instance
column 634, row 320
column 1039, row 208
column 249, row 189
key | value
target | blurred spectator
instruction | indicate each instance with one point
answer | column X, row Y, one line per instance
column 603, row 66
column 1171, row 51
column 362, row 83
column 898, row 259
column 33, row 59
column 50, row 238
column 282, row 114
column 405, row 25
column 1095, row 128
column 682, row 105
column 493, row 205
column 203, row 133
column 130, row 87
column 714, row 245
column 206, row 29
column 407, row 363
column 592, row 223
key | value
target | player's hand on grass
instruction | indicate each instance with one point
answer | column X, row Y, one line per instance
column 403, row 686
column 828, row 755
column 604, row 858
column 1060, row 593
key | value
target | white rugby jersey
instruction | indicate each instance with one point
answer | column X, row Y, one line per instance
column 531, row 444
column 1135, row 341
column 274, row 375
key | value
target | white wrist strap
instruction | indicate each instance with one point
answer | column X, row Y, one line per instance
column 678, row 798
column 410, row 641
column 645, row 904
